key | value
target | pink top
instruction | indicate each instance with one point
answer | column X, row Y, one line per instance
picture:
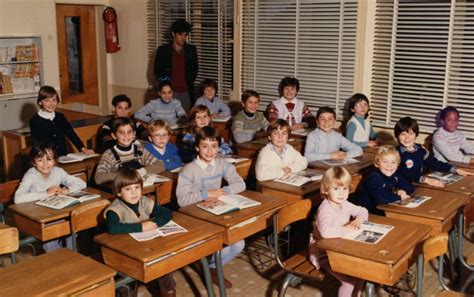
column 330, row 222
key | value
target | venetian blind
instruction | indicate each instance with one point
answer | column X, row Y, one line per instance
column 212, row 34
column 312, row 40
column 423, row 61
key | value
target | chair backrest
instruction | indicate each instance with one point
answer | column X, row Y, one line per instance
column 292, row 213
column 7, row 190
column 435, row 246
column 88, row 215
column 355, row 181
column 9, row 241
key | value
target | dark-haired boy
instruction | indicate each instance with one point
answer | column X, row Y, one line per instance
column 416, row 160
column 122, row 105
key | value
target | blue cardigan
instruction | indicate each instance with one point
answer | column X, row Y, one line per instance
column 170, row 158
column 378, row 188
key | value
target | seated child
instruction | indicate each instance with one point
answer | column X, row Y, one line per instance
column 202, row 180
column 122, row 105
column 384, row 184
column 199, row 117
column 125, row 154
column 415, row 159
column 132, row 212
column 336, row 217
column 159, row 146
column 289, row 107
column 52, row 126
column 164, row 108
column 278, row 158
column 249, row 123
column 45, row 179
column 450, row 144
column 217, row 107
column 324, row 143
column 358, row 128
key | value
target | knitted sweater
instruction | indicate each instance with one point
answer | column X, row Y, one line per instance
column 109, row 166
column 360, row 131
column 245, row 127
column 194, row 181
column 34, row 185
column 269, row 163
column 451, row 146
column 170, row 157
column 217, row 105
column 157, row 109
column 320, row 145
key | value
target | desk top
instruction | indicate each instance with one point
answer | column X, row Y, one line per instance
column 401, row 239
column 62, row 272
column 441, row 206
column 463, row 165
column 44, row 214
column 228, row 220
column 257, row 144
column 365, row 161
column 159, row 247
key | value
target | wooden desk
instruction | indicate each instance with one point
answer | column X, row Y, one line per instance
column 223, row 128
column 291, row 193
column 241, row 167
column 243, row 223
column 464, row 186
column 468, row 166
column 365, row 162
column 59, row 273
column 46, row 223
column 14, row 141
column 439, row 212
column 148, row 260
column 384, row 262
column 86, row 166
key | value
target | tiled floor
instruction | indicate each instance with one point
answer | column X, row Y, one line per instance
column 255, row 274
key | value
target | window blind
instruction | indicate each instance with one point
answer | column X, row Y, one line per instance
column 312, row 40
column 423, row 61
column 212, row 34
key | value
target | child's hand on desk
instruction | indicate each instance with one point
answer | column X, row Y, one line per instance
column 403, row 195
column 54, row 190
column 148, row 225
column 87, row 151
column 215, row 193
column 434, row 182
column 64, row 190
column 286, row 170
column 464, row 172
column 354, row 224
column 339, row 155
column 372, row 143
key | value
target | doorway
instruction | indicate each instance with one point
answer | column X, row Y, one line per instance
column 77, row 51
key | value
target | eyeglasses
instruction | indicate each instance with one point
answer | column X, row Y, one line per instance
column 164, row 135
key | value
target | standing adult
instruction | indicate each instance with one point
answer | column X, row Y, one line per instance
column 178, row 61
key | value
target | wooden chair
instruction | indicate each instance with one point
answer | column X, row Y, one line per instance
column 7, row 192
column 436, row 246
column 355, row 181
column 9, row 241
column 86, row 217
column 297, row 266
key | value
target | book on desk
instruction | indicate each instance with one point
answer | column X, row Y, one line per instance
column 445, row 177
column 369, row 232
column 332, row 162
column 152, row 178
column 299, row 178
column 75, row 157
column 412, row 202
column 168, row 229
column 228, row 203
column 66, row 200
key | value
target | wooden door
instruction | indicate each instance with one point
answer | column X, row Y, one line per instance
column 77, row 50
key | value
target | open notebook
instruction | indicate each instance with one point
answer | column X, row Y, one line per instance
column 369, row 232
column 299, row 178
column 63, row 201
column 412, row 202
column 446, row 178
column 170, row 228
column 75, row 157
column 228, row 203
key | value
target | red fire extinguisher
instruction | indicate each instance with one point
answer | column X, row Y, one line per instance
column 111, row 30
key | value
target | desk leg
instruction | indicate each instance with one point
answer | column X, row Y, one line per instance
column 369, row 289
column 453, row 257
column 419, row 276
column 207, row 277
column 220, row 273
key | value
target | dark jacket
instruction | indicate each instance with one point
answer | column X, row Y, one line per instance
column 54, row 131
column 163, row 65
